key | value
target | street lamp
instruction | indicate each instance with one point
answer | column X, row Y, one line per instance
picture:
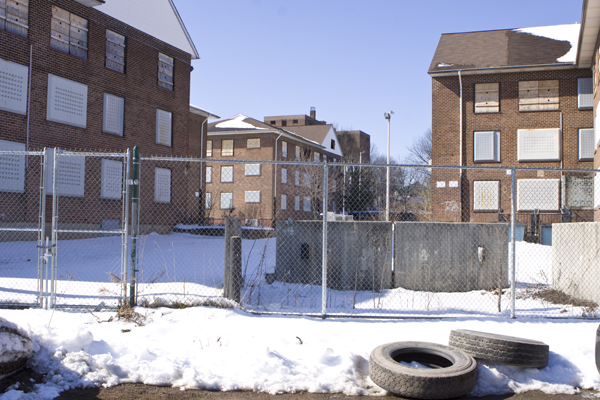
column 388, row 116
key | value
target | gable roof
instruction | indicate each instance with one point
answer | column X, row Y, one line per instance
column 316, row 133
column 240, row 124
column 157, row 18
column 527, row 47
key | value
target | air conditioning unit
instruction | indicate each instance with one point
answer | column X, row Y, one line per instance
column 252, row 222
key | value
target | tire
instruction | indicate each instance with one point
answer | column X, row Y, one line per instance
column 453, row 372
column 15, row 350
column 501, row 349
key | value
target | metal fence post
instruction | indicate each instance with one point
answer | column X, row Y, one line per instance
column 512, row 258
column 125, row 227
column 55, row 195
column 42, row 238
column 235, row 269
column 134, row 225
column 324, row 246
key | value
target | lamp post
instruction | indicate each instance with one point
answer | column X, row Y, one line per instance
column 388, row 116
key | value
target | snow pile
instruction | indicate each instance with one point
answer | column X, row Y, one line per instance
column 568, row 32
column 14, row 343
column 227, row 349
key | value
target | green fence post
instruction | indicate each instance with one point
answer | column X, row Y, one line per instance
column 134, row 225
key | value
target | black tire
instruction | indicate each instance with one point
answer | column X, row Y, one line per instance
column 453, row 372
column 501, row 349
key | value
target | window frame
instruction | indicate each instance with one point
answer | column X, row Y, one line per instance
column 587, row 98
column 251, row 167
column 495, row 147
column 284, row 175
column 283, row 202
column 253, row 141
column 222, row 170
column 580, row 143
column 209, row 148
column 116, row 51
column 251, row 193
column 208, row 174
column 106, row 113
column 166, row 72
column 284, row 149
column 487, row 108
column 16, row 24
column 223, row 148
column 73, row 43
column 208, row 201
column 496, row 207
column 526, row 105
column 230, row 200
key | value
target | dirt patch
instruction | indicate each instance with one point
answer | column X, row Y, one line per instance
column 553, row 296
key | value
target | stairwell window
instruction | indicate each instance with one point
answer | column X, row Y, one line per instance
column 165, row 71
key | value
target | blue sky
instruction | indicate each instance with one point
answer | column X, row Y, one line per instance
column 352, row 60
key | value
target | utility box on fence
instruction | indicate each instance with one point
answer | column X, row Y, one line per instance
column 359, row 254
column 576, row 260
column 450, row 257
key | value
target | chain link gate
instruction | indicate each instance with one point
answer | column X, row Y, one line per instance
column 88, row 246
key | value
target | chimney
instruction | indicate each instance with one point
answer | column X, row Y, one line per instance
column 313, row 113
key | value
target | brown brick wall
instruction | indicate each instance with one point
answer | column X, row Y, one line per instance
column 445, row 140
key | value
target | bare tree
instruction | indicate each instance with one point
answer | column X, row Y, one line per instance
column 420, row 150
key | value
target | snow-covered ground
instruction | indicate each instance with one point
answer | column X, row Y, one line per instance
column 188, row 268
column 228, row 349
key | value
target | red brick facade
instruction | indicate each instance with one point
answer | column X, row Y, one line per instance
column 453, row 201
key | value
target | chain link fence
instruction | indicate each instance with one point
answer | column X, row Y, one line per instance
column 307, row 238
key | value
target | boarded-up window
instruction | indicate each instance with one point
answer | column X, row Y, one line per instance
column 487, row 97
column 283, row 175
column 252, row 196
column 487, row 146
column 208, row 201
column 227, row 173
column 226, row 147
column 306, row 204
column 208, row 174
column 306, row 179
column 316, row 157
column 486, row 195
column 538, row 95
column 69, row 33
column 253, row 143
column 538, row 145
column 164, row 127
column 114, row 111
column 209, row 148
column 586, row 144
column 297, row 178
column 585, row 93
column 297, row 153
column 284, row 149
column 115, row 51
column 252, row 169
column 538, row 194
column 14, row 16
column 226, row 201
column 162, row 185
column 165, row 71
column 284, row 202
column 579, row 191
column 297, row 203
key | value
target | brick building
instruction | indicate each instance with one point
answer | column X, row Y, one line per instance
column 355, row 145
column 94, row 75
column 588, row 56
column 262, row 193
column 511, row 98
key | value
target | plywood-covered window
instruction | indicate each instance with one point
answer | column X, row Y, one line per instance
column 164, row 127
column 114, row 113
column 538, row 194
column 586, row 144
column 486, row 195
column 69, row 33
column 585, row 93
column 208, row 174
column 252, row 196
column 538, row 145
column 209, row 148
column 296, row 203
column 283, row 202
column 208, row 201
column 306, row 204
column 165, row 71
column 227, row 173
column 14, row 16
column 486, row 146
column 115, row 51
column 538, row 95
column 253, row 143
column 487, row 97
column 252, row 169
column 226, row 201
column 298, row 150
column 226, row 147
column 284, row 149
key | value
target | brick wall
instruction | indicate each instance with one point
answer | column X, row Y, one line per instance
column 447, row 202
